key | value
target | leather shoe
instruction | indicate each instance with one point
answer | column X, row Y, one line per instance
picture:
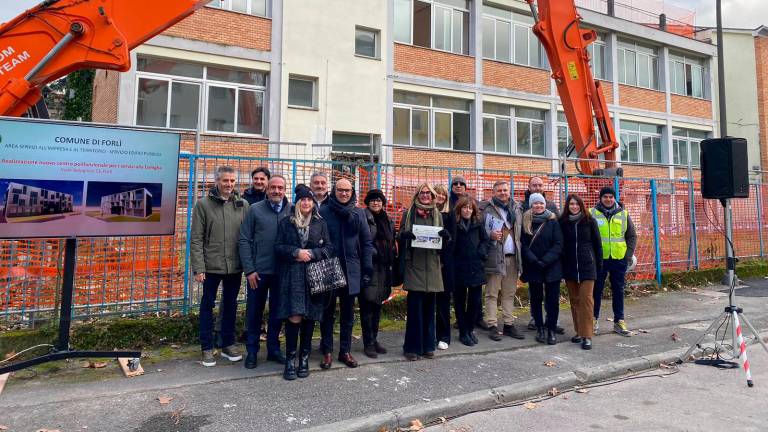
column 379, row 349
column 348, row 360
column 559, row 330
column 551, row 338
column 465, row 339
column 511, row 331
column 370, row 351
column 493, row 334
column 586, row 344
column 541, row 335
column 326, row 362
column 473, row 337
column 576, row 339
column 250, row 361
column 410, row 356
column 276, row 357
column 429, row 355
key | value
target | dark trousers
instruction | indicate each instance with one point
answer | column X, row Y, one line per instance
column 370, row 315
column 467, row 301
column 420, row 323
column 549, row 293
column 617, row 269
column 256, row 301
column 299, row 331
column 443, row 325
column 230, row 288
column 346, row 321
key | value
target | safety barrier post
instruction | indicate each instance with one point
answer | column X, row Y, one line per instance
column 655, row 231
column 759, row 187
column 378, row 176
column 293, row 176
column 450, row 178
column 190, row 202
column 694, row 235
column 616, row 188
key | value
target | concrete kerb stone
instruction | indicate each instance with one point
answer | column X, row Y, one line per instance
column 495, row 397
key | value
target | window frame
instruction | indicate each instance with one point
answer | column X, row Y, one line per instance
column 648, row 53
column 227, row 6
column 641, row 135
column 315, row 90
column 203, row 100
column 432, row 110
column 433, row 5
column 687, row 64
column 677, row 139
column 513, row 119
column 599, row 42
column 376, row 42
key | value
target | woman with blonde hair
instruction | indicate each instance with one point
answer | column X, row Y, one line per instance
column 443, row 328
column 542, row 243
column 422, row 278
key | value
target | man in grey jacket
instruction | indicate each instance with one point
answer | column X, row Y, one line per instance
column 216, row 221
column 257, row 253
column 503, row 220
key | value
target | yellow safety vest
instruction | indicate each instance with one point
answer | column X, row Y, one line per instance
column 612, row 233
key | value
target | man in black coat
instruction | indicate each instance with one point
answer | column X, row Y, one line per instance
column 258, row 190
column 257, row 254
column 351, row 239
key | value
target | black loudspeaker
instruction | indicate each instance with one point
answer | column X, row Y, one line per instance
column 724, row 168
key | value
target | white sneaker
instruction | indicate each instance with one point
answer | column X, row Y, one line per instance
column 442, row 345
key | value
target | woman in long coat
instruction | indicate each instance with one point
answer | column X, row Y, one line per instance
column 422, row 278
column 582, row 260
column 380, row 287
column 542, row 243
column 443, row 326
column 301, row 239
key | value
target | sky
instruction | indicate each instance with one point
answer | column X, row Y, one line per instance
column 736, row 13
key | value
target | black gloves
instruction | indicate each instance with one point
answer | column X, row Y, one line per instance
column 366, row 280
column 407, row 235
column 444, row 234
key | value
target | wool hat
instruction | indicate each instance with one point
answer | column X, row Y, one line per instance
column 375, row 194
column 536, row 197
column 607, row 190
column 301, row 191
column 458, row 179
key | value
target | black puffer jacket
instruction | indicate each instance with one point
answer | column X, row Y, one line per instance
column 470, row 252
column 446, row 254
column 541, row 256
column 582, row 249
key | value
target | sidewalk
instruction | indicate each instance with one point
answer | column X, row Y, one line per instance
column 229, row 397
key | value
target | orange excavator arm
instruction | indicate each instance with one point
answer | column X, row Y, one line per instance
column 57, row 37
column 557, row 27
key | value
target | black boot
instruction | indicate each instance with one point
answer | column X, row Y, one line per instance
column 540, row 335
column 307, row 326
column 551, row 337
column 290, row 365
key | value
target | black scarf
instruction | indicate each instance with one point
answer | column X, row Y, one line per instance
column 541, row 218
column 344, row 211
column 609, row 212
column 507, row 207
column 385, row 238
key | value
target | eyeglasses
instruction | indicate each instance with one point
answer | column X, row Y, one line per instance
column 425, row 193
column 344, row 191
column 459, row 184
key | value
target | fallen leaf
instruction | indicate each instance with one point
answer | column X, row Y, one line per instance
column 530, row 405
column 553, row 391
column 675, row 337
column 549, row 363
column 582, row 391
column 642, row 331
column 416, row 425
column 666, row 366
column 3, row 427
column 10, row 354
column 164, row 400
column 176, row 416
column 94, row 365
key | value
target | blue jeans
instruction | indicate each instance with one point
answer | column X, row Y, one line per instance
column 420, row 323
column 256, row 301
column 617, row 268
column 230, row 289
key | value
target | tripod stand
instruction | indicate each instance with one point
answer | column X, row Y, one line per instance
column 731, row 312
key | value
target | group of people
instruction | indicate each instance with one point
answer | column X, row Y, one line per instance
column 485, row 248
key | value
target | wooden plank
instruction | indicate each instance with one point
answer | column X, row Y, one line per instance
column 127, row 371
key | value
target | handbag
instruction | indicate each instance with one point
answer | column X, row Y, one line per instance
column 325, row 275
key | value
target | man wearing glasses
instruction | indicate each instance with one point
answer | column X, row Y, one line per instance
column 458, row 188
column 351, row 238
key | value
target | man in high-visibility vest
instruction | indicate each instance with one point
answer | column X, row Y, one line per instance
column 619, row 239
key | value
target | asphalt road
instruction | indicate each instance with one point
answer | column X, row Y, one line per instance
column 230, row 398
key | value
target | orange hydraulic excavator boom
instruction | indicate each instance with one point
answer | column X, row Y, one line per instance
column 57, row 37
column 557, row 27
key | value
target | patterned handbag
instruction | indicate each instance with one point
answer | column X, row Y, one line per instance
column 325, row 275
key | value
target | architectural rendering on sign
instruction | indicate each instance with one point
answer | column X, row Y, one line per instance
column 22, row 200
column 136, row 203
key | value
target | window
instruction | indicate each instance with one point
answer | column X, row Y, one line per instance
column 564, row 137
column 638, row 65
column 169, row 94
column 302, row 92
column 508, row 37
column 686, row 76
column 366, row 42
column 431, row 121
column 640, row 142
column 252, row 7
column 686, row 146
column 529, row 127
column 597, row 57
column 438, row 24
column 353, row 142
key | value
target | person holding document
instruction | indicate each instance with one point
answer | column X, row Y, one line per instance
column 422, row 279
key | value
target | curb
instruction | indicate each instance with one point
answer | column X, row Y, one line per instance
column 494, row 397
